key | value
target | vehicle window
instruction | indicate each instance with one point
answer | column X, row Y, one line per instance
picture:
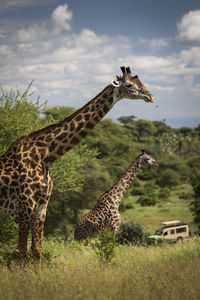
column 165, row 233
column 172, row 231
column 158, row 232
column 181, row 229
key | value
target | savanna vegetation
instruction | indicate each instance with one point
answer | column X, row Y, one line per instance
column 136, row 269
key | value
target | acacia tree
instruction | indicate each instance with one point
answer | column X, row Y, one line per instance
column 19, row 115
column 126, row 119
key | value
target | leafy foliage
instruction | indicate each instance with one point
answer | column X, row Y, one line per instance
column 124, row 206
column 71, row 166
column 164, row 193
column 147, row 200
column 104, row 245
column 8, row 231
column 169, row 178
column 19, row 115
column 131, row 233
column 137, row 191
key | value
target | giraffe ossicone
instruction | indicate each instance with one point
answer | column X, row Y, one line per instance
column 106, row 211
column 25, row 184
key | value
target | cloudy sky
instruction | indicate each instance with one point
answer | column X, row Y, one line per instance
column 73, row 49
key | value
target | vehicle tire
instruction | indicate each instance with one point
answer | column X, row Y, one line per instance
column 179, row 239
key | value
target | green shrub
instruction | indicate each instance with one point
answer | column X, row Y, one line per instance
column 194, row 162
column 8, row 231
column 131, row 233
column 149, row 190
column 137, row 191
column 186, row 196
column 151, row 184
column 146, row 175
column 136, row 182
column 175, row 163
column 7, row 257
column 169, row 178
column 147, row 200
column 164, row 193
column 124, row 206
column 104, row 245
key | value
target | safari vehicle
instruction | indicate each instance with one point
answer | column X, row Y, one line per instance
column 172, row 230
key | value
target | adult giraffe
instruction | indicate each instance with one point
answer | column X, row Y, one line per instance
column 25, row 184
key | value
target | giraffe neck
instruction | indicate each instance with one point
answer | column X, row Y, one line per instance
column 118, row 191
column 54, row 140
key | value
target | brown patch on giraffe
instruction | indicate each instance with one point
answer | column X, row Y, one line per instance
column 52, row 146
column 61, row 150
column 61, row 136
column 80, row 125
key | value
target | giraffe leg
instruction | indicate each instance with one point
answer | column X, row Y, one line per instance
column 24, row 226
column 37, row 231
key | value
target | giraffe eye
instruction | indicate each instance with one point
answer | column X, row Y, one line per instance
column 128, row 85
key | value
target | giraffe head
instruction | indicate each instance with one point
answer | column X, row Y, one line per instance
column 131, row 87
column 148, row 159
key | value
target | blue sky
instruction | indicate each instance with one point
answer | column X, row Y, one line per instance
column 73, row 49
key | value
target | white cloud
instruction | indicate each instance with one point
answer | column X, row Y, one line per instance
column 162, row 88
column 6, row 5
column 58, row 22
column 188, row 27
column 61, row 18
column 155, row 44
column 191, row 57
column 32, row 33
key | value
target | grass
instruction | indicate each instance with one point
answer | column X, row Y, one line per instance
column 169, row 272
column 138, row 273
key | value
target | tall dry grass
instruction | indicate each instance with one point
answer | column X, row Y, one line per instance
column 169, row 272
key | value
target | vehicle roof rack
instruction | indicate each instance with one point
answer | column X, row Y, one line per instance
column 171, row 222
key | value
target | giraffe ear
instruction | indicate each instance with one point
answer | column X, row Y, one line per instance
column 115, row 83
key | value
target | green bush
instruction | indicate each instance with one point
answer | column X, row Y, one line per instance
column 151, row 184
column 149, row 190
column 164, row 193
column 145, row 175
column 104, row 245
column 185, row 196
column 194, row 162
column 136, row 182
column 124, row 206
column 8, row 231
column 131, row 234
column 169, row 178
column 147, row 200
column 7, row 257
column 137, row 191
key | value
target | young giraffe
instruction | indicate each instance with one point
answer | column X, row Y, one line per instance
column 106, row 211
column 25, row 184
